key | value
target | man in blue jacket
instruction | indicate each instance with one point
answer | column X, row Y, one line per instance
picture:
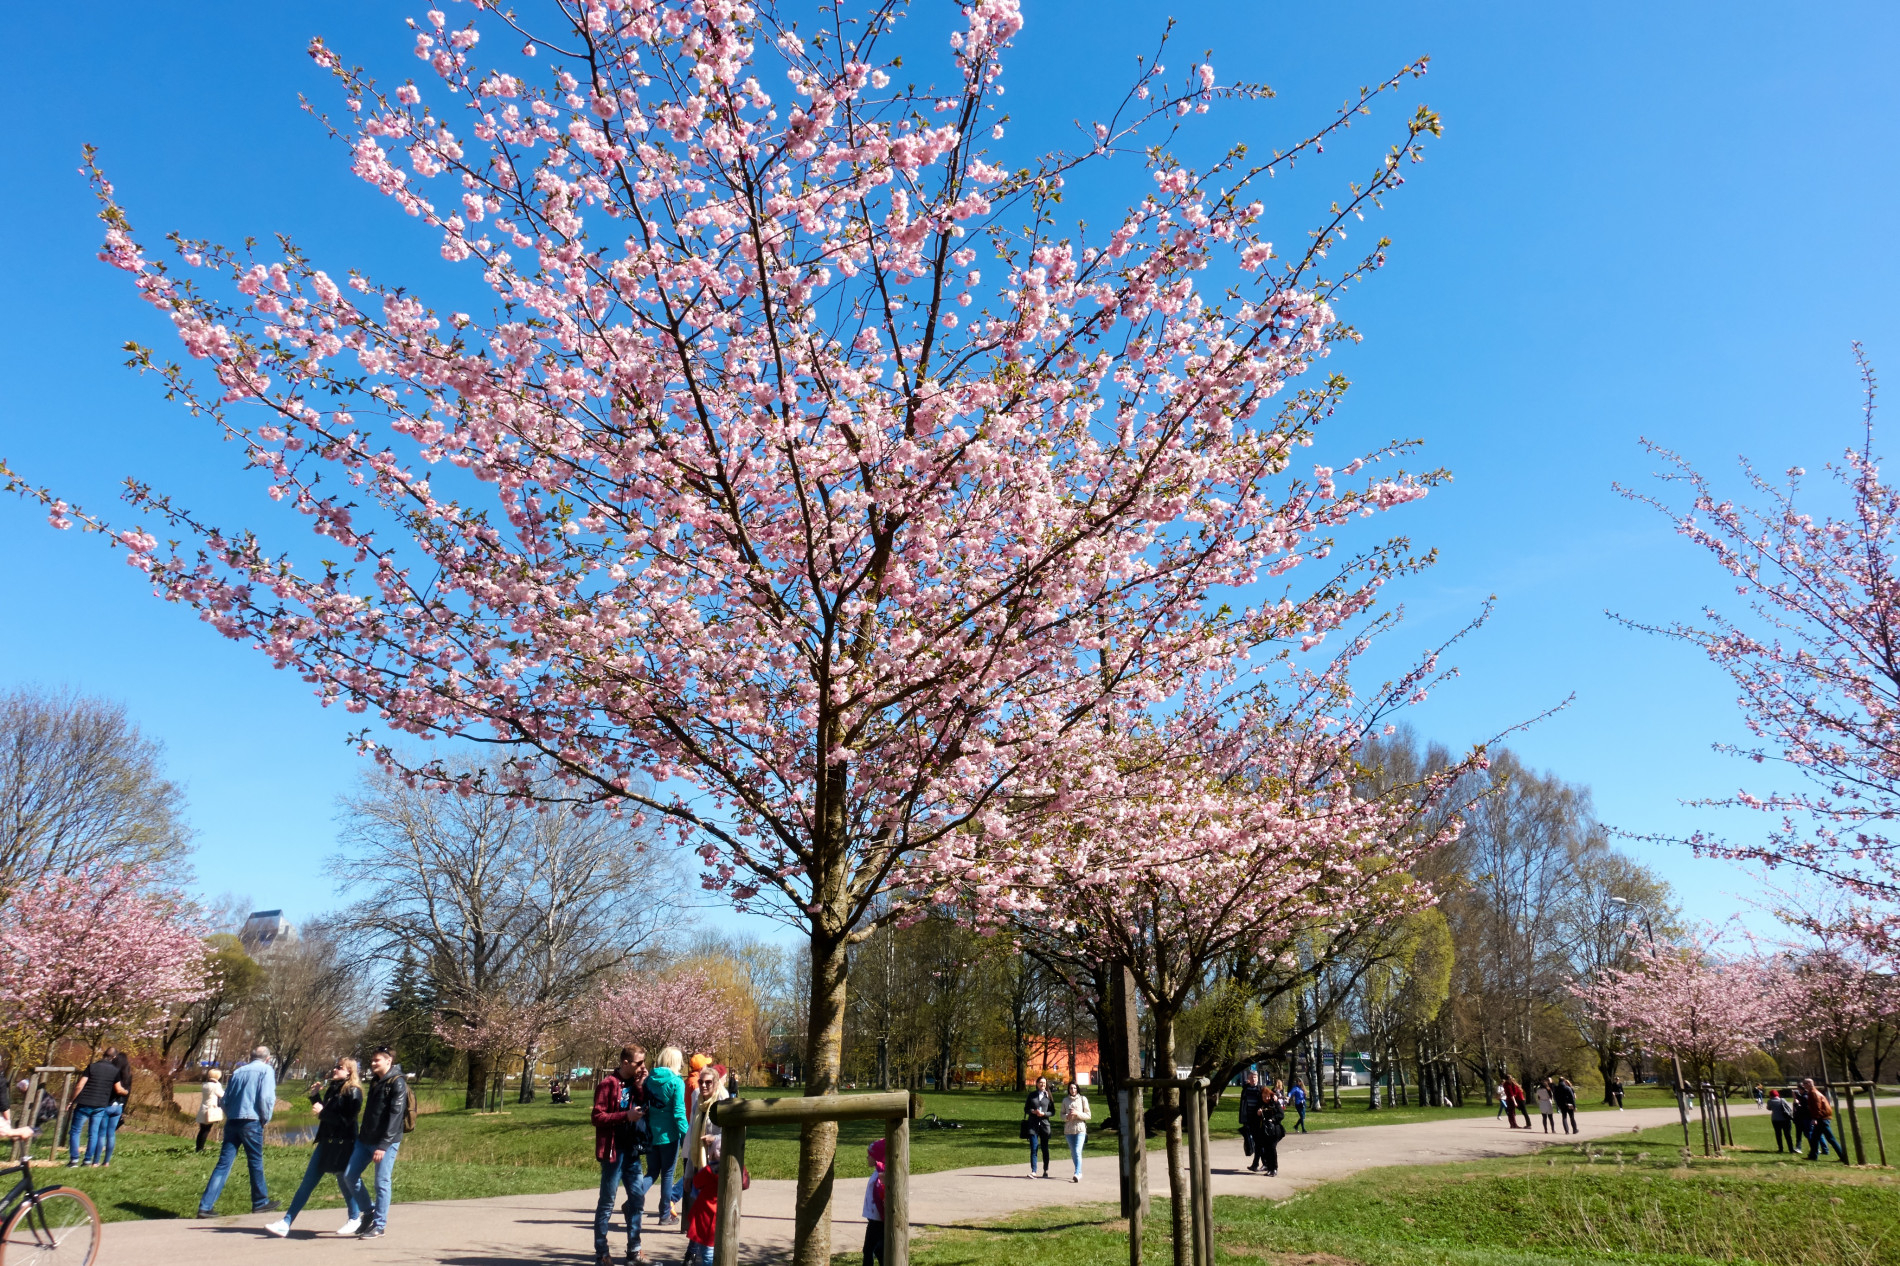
column 248, row 1104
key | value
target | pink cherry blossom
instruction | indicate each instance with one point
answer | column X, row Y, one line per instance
column 95, row 957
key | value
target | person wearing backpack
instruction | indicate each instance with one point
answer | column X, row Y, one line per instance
column 388, row 1111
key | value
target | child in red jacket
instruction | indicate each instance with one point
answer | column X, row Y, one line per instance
column 701, row 1213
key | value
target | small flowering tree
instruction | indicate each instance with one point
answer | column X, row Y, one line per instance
column 1816, row 664
column 804, row 466
column 1235, row 829
column 96, row 957
column 500, row 1030
column 1691, row 1001
column 686, row 1008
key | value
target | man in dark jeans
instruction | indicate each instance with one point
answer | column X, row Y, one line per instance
column 248, row 1105
column 1566, row 1096
column 385, row 1103
column 620, row 1141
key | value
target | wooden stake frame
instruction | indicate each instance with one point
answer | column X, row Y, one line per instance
column 895, row 1109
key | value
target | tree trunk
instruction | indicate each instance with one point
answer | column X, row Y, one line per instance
column 1606, row 1065
column 1179, row 1211
column 525, row 1092
column 818, row 1141
column 479, row 1068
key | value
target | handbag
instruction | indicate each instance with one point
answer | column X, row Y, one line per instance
column 1023, row 1133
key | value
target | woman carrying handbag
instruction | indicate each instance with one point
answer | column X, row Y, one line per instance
column 337, row 1111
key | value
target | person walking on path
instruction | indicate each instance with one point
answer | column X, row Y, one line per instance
column 1514, row 1102
column 385, row 1114
column 91, row 1098
column 1075, row 1126
column 620, row 1147
column 337, row 1103
column 1253, row 1102
column 1504, row 1103
column 667, row 1127
column 700, row 1209
column 1297, row 1098
column 1566, row 1095
column 1547, row 1106
column 248, row 1105
column 1821, row 1132
column 874, row 1206
column 210, row 1105
column 1038, row 1107
column 1272, row 1130
column 1781, row 1114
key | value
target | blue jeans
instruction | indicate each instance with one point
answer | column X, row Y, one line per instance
column 115, row 1113
column 360, row 1160
column 661, row 1157
column 1035, row 1141
column 95, row 1121
column 1301, row 1127
column 697, row 1255
column 1821, row 1139
column 313, row 1175
column 1075, row 1148
column 248, row 1135
column 615, row 1174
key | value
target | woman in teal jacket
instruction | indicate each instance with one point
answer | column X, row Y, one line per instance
column 666, row 1127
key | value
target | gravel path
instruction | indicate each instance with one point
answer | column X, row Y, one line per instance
column 558, row 1228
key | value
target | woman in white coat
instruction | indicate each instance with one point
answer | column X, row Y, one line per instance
column 210, row 1105
column 1075, row 1126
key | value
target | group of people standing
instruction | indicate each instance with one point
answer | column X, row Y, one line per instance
column 1556, row 1097
column 1803, row 1115
column 360, row 1126
column 643, row 1118
column 98, row 1107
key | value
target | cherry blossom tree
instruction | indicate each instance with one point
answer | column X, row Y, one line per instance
column 500, row 1029
column 1691, row 1000
column 97, row 956
column 805, row 468
column 1815, row 662
column 1232, row 827
column 686, row 1008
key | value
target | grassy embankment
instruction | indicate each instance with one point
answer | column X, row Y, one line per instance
column 455, row 1154
column 1630, row 1199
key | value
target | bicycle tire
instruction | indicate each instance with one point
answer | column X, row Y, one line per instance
column 56, row 1226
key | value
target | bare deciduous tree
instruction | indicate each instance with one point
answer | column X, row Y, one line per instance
column 498, row 898
column 81, row 788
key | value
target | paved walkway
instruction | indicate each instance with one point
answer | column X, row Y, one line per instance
column 506, row 1230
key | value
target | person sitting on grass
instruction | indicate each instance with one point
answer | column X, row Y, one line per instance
column 700, row 1210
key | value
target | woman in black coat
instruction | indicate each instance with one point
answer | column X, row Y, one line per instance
column 337, row 1107
column 1271, row 1130
column 1037, row 1109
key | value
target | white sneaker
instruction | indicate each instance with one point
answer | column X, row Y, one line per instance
column 279, row 1228
column 348, row 1228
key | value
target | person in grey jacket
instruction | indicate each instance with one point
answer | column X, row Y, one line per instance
column 248, row 1104
column 385, row 1101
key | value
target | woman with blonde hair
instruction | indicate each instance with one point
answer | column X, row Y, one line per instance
column 210, row 1105
column 667, row 1127
column 337, row 1109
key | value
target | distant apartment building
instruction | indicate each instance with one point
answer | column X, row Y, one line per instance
column 266, row 928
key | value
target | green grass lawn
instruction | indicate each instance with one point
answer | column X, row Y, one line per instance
column 1627, row 1199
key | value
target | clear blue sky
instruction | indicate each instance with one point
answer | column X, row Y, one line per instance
column 1643, row 220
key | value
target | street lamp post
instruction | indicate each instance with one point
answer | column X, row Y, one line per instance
column 1682, row 1105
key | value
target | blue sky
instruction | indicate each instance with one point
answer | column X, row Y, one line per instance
column 1661, row 220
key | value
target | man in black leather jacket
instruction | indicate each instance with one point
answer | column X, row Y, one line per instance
column 385, row 1101
column 1252, row 1119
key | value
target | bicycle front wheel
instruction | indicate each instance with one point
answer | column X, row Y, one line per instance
column 57, row 1226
